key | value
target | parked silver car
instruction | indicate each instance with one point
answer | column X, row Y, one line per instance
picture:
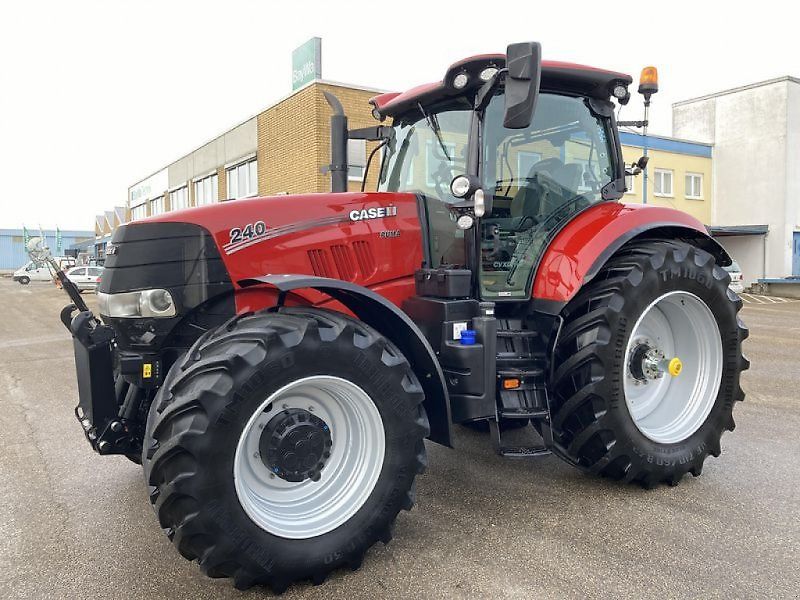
column 737, row 283
column 86, row 278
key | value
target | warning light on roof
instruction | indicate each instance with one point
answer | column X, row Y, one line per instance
column 648, row 81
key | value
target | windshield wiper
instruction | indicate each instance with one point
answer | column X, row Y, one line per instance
column 433, row 123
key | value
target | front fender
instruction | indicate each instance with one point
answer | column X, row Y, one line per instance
column 584, row 245
column 391, row 322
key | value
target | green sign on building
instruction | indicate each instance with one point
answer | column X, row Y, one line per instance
column 307, row 63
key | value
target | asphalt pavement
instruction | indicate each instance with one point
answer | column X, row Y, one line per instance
column 77, row 525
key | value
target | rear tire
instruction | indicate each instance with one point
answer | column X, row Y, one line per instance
column 597, row 424
column 217, row 497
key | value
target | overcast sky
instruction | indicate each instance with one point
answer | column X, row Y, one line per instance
column 96, row 95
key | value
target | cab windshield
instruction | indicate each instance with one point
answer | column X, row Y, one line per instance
column 537, row 178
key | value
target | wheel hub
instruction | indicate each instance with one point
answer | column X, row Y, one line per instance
column 646, row 363
column 295, row 445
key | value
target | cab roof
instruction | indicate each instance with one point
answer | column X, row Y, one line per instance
column 555, row 76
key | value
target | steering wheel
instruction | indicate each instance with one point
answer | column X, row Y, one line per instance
column 548, row 164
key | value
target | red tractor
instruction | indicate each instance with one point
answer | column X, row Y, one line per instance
column 277, row 363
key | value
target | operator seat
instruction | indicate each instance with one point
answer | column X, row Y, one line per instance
column 531, row 203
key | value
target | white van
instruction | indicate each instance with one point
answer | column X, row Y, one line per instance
column 33, row 271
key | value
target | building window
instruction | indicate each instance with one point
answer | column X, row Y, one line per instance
column 179, row 198
column 585, row 176
column 437, row 161
column 629, row 184
column 525, row 162
column 157, row 206
column 139, row 212
column 356, row 159
column 662, row 182
column 206, row 190
column 694, row 186
column 243, row 180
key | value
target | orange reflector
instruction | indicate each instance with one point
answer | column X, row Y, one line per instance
column 510, row 384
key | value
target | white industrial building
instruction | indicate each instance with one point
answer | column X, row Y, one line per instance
column 755, row 132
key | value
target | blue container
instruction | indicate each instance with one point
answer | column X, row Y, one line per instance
column 468, row 337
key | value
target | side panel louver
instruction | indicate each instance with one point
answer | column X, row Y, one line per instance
column 344, row 262
column 364, row 258
column 320, row 263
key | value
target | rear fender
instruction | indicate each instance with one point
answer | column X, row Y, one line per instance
column 391, row 322
column 584, row 245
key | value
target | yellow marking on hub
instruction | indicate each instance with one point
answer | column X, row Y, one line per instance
column 147, row 370
column 675, row 366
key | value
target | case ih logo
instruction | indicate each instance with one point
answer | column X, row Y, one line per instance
column 373, row 213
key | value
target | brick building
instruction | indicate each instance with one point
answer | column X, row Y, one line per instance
column 281, row 150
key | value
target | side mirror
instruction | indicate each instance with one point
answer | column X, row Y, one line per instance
column 523, row 62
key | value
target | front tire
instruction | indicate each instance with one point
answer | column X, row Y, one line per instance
column 283, row 446
column 618, row 408
column 24, row 280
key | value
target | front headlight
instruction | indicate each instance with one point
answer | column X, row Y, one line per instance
column 132, row 305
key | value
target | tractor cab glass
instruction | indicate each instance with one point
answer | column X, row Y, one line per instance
column 423, row 157
column 537, row 178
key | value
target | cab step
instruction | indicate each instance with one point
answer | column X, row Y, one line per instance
column 525, row 398
column 514, row 451
column 524, row 413
column 527, row 372
column 517, row 333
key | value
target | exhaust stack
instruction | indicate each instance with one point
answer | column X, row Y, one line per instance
column 338, row 166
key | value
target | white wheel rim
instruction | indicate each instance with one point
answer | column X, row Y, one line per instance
column 669, row 409
column 306, row 509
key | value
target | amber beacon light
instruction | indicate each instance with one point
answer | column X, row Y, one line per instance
column 648, row 81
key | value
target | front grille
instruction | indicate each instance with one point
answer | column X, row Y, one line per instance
column 179, row 257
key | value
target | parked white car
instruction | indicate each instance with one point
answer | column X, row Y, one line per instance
column 737, row 283
column 86, row 278
column 33, row 271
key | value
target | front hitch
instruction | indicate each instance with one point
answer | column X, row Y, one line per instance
column 98, row 395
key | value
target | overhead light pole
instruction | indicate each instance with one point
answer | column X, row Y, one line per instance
column 648, row 85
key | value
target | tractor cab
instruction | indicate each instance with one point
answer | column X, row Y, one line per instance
column 495, row 192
